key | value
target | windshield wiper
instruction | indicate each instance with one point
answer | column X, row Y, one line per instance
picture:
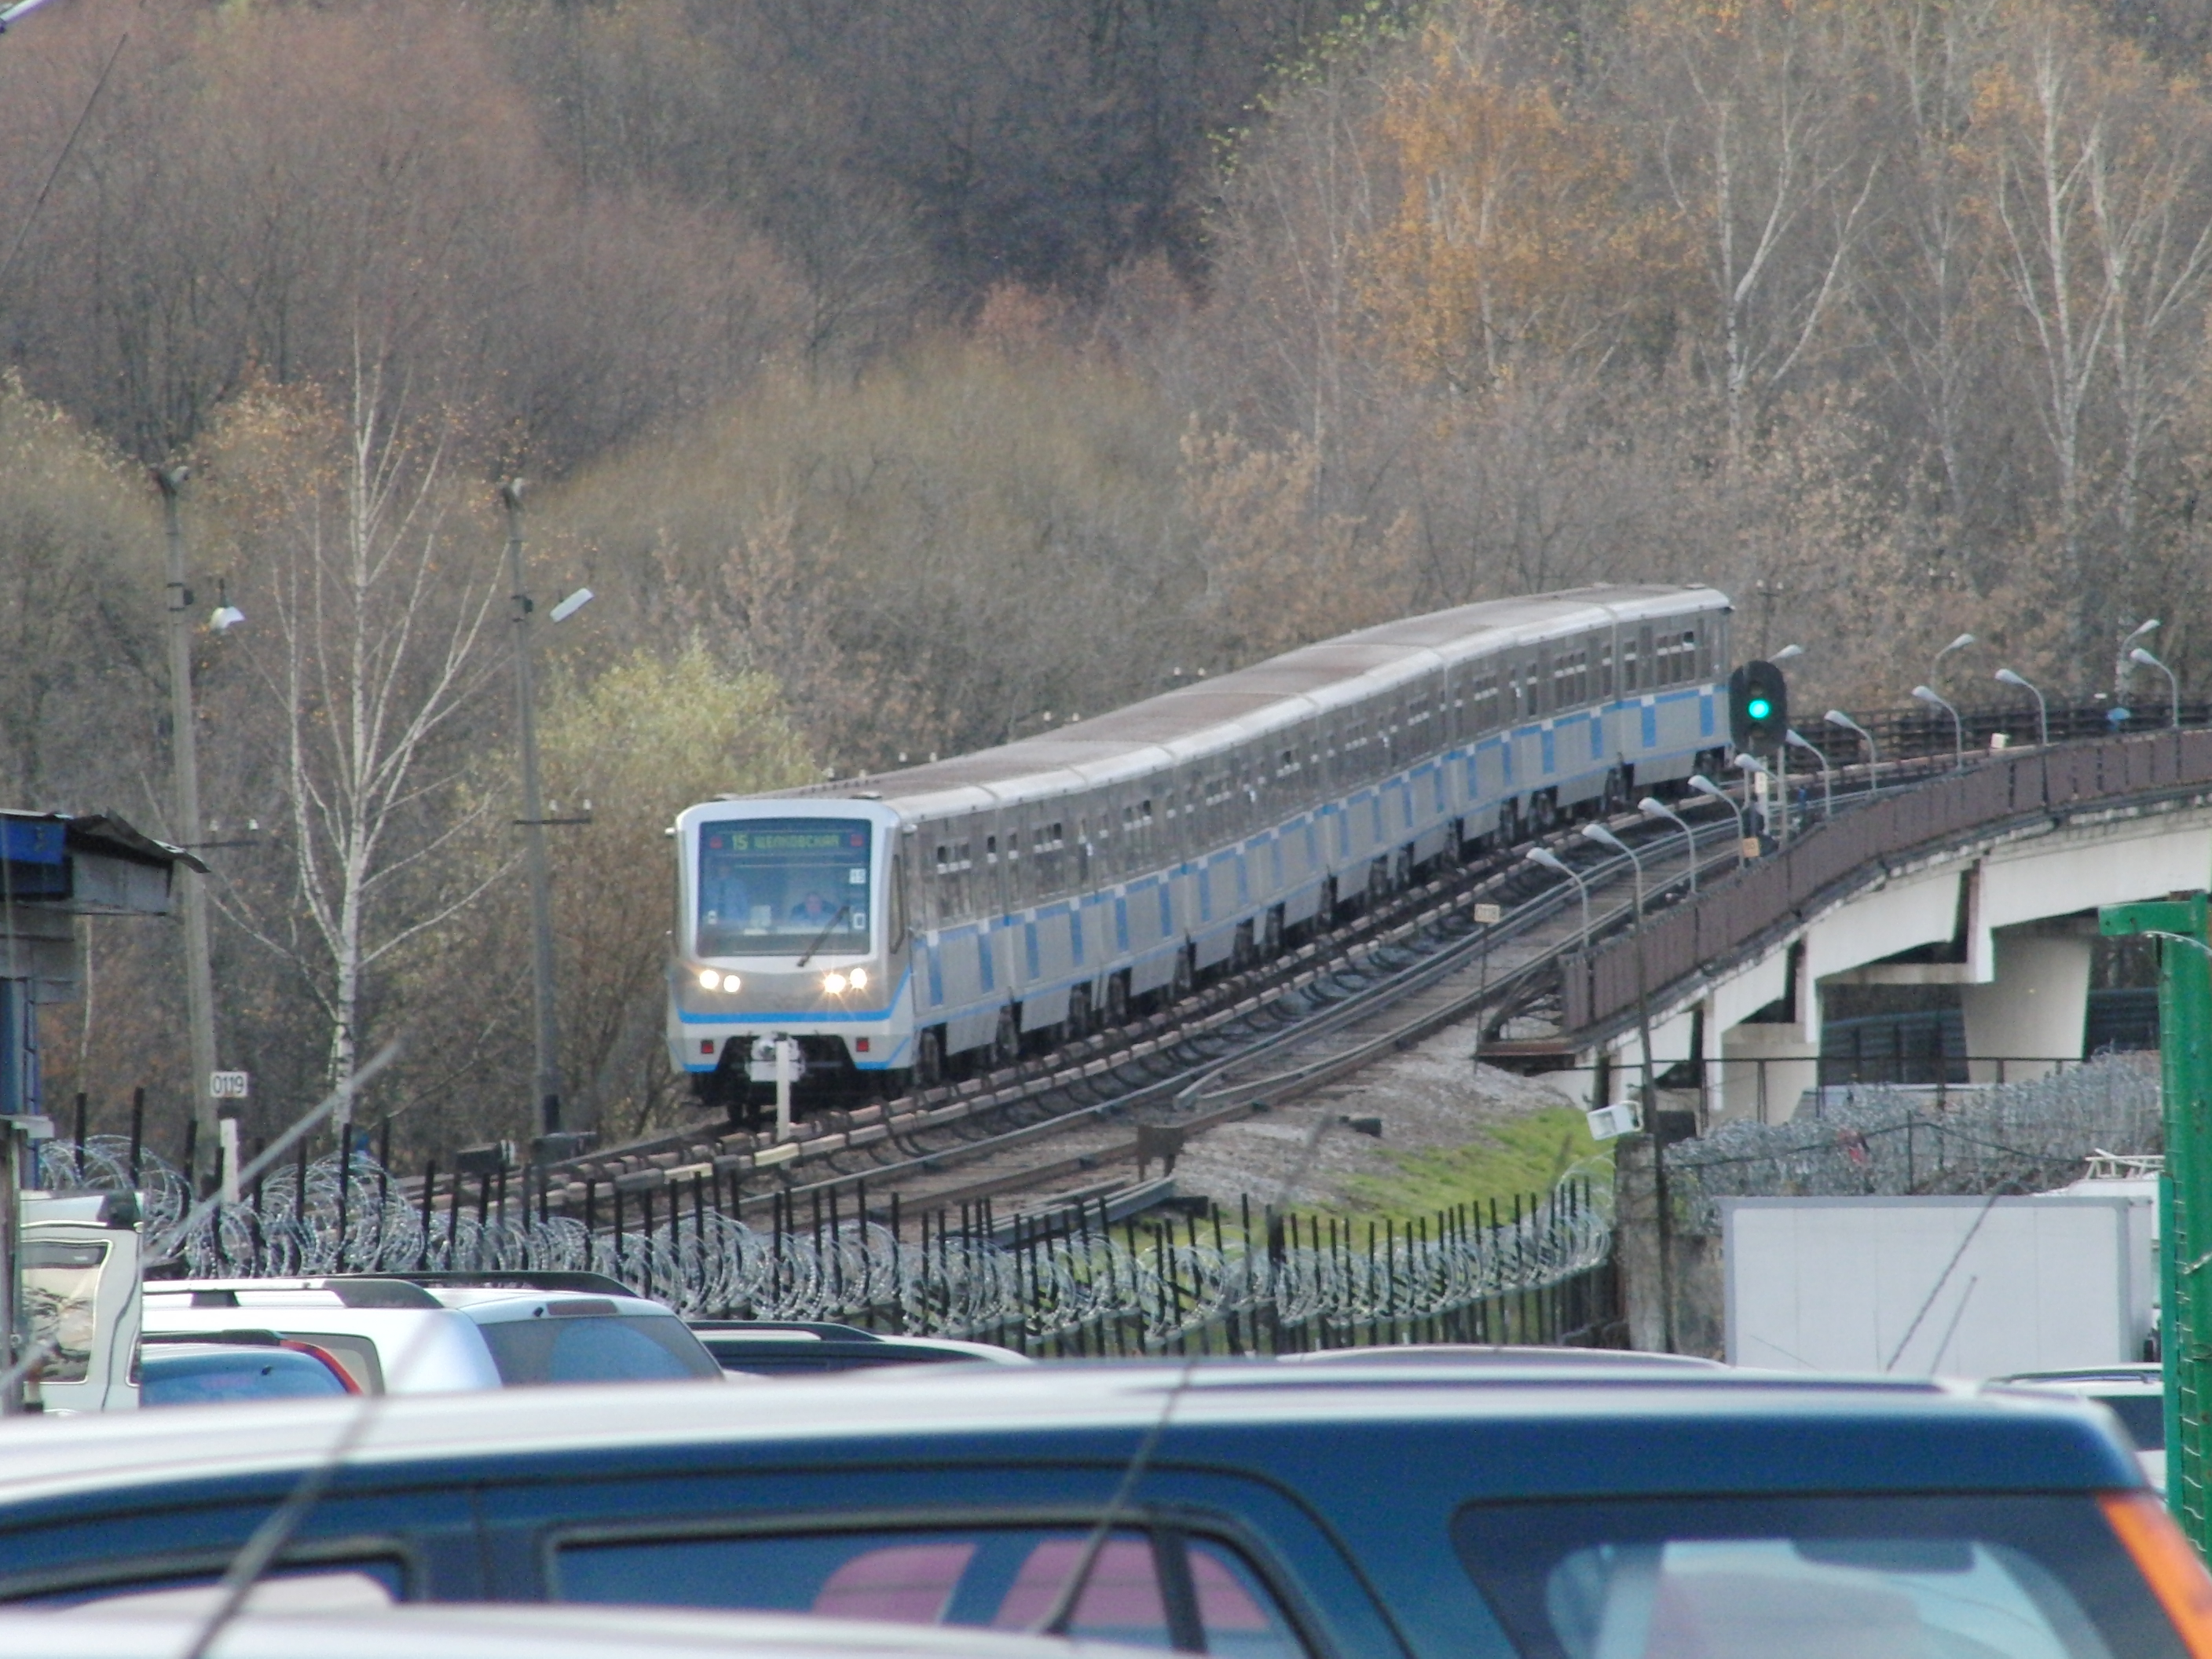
column 828, row 928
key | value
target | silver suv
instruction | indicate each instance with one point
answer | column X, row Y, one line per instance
column 430, row 1332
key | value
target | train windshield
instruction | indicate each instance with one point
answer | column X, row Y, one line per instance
column 784, row 887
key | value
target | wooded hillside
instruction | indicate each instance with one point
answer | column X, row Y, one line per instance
column 907, row 374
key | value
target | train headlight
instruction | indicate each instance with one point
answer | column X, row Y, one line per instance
column 857, row 979
column 834, row 984
column 709, row 979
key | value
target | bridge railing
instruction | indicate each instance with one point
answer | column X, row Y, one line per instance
column 1731, row 915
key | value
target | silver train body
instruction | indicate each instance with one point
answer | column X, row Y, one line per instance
column 899, row 920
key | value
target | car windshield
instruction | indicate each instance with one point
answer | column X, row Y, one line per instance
column 609, row 1348
column 783, row 886
column 1987, row 1576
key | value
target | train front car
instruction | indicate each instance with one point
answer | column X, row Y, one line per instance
column 789, row 924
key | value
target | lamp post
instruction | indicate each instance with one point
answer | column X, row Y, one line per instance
column 1798, row 741
column 1605, row 837
column 1786, row 652
column 2121, row 661
column 546, row 1029
column 1551, row 860
column 1958, row 727
column 1751, row 767
column 2006, row 676
column 1837, row 718
column 1652, row 807
column 1706, row 786
column 199, row 978
column 1935, row 667
column 2172, row 685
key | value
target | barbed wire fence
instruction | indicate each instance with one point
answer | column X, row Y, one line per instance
column 1068, row 1282
column 1881, row 1139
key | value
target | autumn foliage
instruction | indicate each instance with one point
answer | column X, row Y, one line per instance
column 905, row 375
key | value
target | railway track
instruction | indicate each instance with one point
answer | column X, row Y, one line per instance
column 1047, row 1127
column 1422, row 961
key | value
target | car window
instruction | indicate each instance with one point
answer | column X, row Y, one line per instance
column 2142, row 1412
column 1165, row 1591
column 614, row 1348
column 763, row 1361
column 1981, row 1578
column 194, row 1379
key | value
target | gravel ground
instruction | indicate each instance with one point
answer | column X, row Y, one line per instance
column 1428, row 1097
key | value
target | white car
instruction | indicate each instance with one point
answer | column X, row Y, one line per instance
column 439, row 1331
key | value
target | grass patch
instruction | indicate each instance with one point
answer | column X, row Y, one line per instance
column 1524, row 1157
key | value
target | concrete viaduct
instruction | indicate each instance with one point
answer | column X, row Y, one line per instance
column 1987, row 878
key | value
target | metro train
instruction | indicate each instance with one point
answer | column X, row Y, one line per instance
column 908, row 925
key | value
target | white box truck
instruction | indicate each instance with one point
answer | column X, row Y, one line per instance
column 1965, row 1287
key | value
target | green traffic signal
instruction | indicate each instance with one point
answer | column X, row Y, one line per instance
column 1760, row 709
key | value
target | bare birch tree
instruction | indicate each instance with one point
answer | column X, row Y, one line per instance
column 1757, row 141
column 371, row 592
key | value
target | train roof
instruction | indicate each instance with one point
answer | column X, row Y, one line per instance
column 1201, row 719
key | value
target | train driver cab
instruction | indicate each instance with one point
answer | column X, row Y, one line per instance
column 788, row 924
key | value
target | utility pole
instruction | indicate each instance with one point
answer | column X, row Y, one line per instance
column 183, row 736
column 533, row 830
column 2184, row 1191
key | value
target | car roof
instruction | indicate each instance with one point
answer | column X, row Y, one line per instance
column 1469, row 1353
column 491, row 1297
column 1554, row 1431
column 518, row 1631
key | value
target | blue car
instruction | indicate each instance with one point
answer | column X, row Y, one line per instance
column 1262, row 1511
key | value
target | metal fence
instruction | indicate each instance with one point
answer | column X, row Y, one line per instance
column 1732, row 914
column 1881, row 1139
column 1071, row 1282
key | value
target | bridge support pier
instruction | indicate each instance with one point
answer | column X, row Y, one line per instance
column 1765, row 1067
column 2035, row 1008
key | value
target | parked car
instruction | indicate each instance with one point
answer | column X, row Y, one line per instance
column 437, row 1333
column 511, row 1632
column 1251, row 1510
column 234, row 1366
column 779, row 1347
column 1473, row 1353
column 2134, row 1393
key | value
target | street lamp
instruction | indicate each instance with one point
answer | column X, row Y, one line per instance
column 1605, row 837
column 199, row 978
column 2006, row 676
column 1958, row 726
column 545, row 1029
column 1935, row 668
column 2120, row 662
column 2173, row 685
column 21, row 8
column 1751, row 766
column 1652, row 807
column 1798, row 741
column 1706, row 786
column 1836, row 717
column 1786, row 652
column 1551, row 860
